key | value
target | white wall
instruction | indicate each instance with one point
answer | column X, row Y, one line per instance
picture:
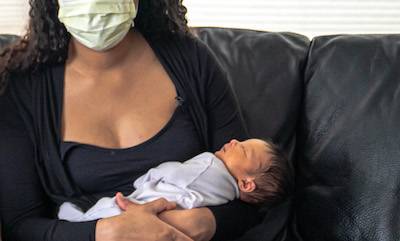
column 14, row 15
column 308, row 17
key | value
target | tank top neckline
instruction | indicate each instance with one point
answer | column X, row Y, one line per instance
column 64, row 145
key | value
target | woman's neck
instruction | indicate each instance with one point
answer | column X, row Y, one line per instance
column 86, row 60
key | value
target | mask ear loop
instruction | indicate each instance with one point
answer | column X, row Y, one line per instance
column 136, row 9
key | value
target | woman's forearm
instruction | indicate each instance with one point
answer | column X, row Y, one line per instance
column 198, row 223
column 139, row 222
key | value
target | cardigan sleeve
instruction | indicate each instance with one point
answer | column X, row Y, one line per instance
column 225, row 122
column 26, row 212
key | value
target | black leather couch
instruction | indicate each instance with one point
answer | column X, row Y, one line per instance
column 334, row 105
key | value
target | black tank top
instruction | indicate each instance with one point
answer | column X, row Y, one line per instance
column 99, row 171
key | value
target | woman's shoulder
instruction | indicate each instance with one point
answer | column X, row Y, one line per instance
column 21, row 84
column 18, row 82
column 15, row 99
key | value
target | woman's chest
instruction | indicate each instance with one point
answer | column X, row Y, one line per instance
column 118, row 113
column 95, row 169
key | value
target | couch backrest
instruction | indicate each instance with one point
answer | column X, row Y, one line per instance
column 348, row 165
column 348, row 147
column 266, row 72
column 6, row 39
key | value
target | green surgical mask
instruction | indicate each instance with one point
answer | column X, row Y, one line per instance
column 97, row 24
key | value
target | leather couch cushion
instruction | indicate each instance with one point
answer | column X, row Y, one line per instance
column 266, row 72
column 349, row 140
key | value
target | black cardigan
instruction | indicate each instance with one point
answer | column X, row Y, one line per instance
column 32, row 175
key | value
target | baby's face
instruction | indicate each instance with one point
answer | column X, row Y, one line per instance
column 243, row 158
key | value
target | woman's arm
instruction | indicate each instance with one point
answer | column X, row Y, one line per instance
column 198, row 223
column 25, row 209
column 148, row 226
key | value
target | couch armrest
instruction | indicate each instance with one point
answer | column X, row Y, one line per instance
column 348, row 170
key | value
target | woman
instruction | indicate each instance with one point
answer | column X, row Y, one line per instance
column 90, row 103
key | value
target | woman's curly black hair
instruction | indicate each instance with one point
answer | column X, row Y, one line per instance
column 46, row 41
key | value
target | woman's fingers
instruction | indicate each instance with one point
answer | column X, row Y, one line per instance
column 161, row 205
column 157, row 206
column 123, row 203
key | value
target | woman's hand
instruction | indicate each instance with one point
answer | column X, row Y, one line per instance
column 139, row 222
column 198, row 223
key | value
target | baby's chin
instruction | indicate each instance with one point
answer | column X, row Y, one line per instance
column 220, row 151
column 219, row 155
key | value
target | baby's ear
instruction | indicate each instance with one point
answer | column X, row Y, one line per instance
column 247, row 185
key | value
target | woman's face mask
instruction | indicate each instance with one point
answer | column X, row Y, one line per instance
column 97, row 24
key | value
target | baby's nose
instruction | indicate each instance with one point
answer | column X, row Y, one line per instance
column 233, row 142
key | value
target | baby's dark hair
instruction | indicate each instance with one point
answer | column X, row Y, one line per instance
column 274, row 182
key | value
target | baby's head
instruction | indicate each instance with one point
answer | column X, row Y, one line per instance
column 264, row 175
